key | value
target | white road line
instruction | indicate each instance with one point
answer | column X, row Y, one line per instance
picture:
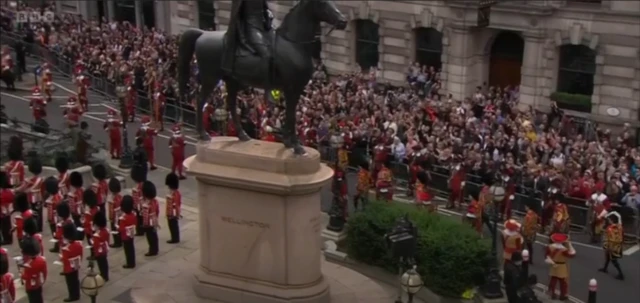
column 63, row 88
column 631, row 250
column 109, row 107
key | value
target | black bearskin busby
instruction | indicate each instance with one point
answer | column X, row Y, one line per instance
column 51, row 185
column 62, row 164
column 21, row 202
column 4, row 180
column 126, row 205
column 14, row 151
column 35, row 166
column 75, row 179
column 114, row 185
column 100, row 220
column 63, row 210
column 423, row 177
column 139, row 173
column 89, row 198
column 30, row 247
column 4, row 264
column 172, row 181
column 30, row 226
column 149, row 190
column 69, row 231
column 99, row 172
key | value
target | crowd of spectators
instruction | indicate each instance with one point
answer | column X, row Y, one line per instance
column 489, row 130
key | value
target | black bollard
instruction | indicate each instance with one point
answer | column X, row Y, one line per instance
column 593, row 289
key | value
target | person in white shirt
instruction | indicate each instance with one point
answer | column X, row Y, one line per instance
column 398, row 149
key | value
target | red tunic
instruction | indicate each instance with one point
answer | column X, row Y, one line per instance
column 34, row 188
column 71, row 257
column 113, row 209
column 6, row 203
column 100, row 242
column 150, row 213
column 127, row 226
column 173, row 204
column 87, row 220
column 34, row 273
column 51, row 204
column 15, row 170
column 8, row 289
column 63, row 183
column 75, row 201
column 101, row 189
column 58, row 236
column 177, row 145
column 20, row 223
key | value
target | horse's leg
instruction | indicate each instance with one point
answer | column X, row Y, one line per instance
column 289, row 136
column 232, row 107
column 206, row 88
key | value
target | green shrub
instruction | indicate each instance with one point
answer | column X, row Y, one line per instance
column 575, row 102
column 450, row 256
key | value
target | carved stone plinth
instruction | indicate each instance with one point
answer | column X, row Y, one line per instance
column 260, row 222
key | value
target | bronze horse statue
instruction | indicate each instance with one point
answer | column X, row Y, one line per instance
column 290, row 71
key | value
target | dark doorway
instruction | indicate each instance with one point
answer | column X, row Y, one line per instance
column 206, row 15
column 102, row 10
column 367, row 39
column 149, row 13
column 429, row 47
column 125, row 11
column 507, row 52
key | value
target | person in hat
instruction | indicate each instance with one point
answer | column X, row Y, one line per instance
column 113, row 209
column 74, row 197
column 140, row 154
column 90, row 200
column 138, row 175
column 150, row 215
column 52, row 202
column 34, row 187
column 126, row 228
column 83, row 88
column 177, row 145
column 62, row 166
column 384, row 182
column 33, row 270
column 113, row 126
column 485, row 197
column 64, row 217
column 530, row 227
column 100, row 187
column 71, row 259
column 381, row 155
column 100, row 244
column 38, row 105
column 148, row 134
column 363, row 186
column 415, row 159
column 512, row 277
column 15, row 166
column 456, row 184
column 31, row 231
column 21, row 205
column 612, row 245
column 173, row 207
column 512, row 240
column 8, row 293
column 423, row 197
column 599, row 205
column 558, row 254
column 475, row 210
column 560, row 220
column 72, row 113
column 7, row 198
column 509, row 184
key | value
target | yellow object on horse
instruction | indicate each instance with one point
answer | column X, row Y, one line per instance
column 276, row 96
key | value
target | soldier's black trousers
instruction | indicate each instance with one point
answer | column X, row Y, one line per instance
column 5, row 225
column 35, row 295
column 103, row 266
column 129, row 253
column 152, row 239
column 613, row 260
column 529, row 245
column 139, row 227
column 56, row 246
column 117, row 239
column 39, row 214
column 72, row 280
column 174, row 229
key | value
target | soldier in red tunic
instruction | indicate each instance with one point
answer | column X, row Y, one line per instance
column 380, row 157
column 132, row 97
column 71, row 259
column 340, row 190
column 311, row 136
column 47, row 82
column 72, row 112
column 90, row 200
column 78, row 69
column 37, row 105
column 7, row 286
column 363, row 186
column 158, row 107
column 100, row 187
column 150, row 215
column 63, row 212
column 21, row 205
column 127, row 230
column 509, row 184
column 423, row 197
column 139, row 176
column 177, row 145
column 113, row 126
column 7, row 198
column 33, row 270
column 75, row 200
column 62, row 166
column 148, row 134
column 51, row 203
column 173, row 207
column 384, row 183
column 83, row 87
column 456, row 184
column 31, row 231
column 15, row 166
column 100, row 244
column 415, row 160
column 113, row 210
column 34, row 188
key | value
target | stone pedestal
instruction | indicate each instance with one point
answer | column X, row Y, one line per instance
column 260, row 222
column 333, row 235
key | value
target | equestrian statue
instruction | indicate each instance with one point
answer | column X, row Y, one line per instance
column 252, row 53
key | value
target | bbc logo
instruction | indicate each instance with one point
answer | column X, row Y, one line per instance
column 25, row 17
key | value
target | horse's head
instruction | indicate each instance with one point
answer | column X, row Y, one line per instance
column 326, row 11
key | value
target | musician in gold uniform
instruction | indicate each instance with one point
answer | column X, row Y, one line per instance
column 512, row 240
column 384, row 183
column 561, row 220
column 558, row 254
column 343, row 157
column 612, row 245
column 530, row 228
column 363, row 186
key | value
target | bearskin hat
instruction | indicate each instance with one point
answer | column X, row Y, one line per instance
column 21, row 202
column 30, row 226
column 30, row 246
column 423, row 177
column 4, row 264
column 172, row 181
column 89, row 198
column 126, row 205
column 51, row 185
column 35, row 166
column 75, row 179
column 4, row 180
column 69, row 231
column 63, row 210
column 139, row 173
column 114, row 185
column 14, row 151
column 62, row 164
column 99, row 172
column 148, row 190
column 100, row 220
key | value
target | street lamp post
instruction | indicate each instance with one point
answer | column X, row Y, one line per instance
column 126, row 160
column 411, row 282
column 492, row 288
column 91, row 284
column 402, row 242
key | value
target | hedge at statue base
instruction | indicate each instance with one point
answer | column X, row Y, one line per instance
column 451, row 257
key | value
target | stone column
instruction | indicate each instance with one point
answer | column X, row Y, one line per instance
column 111, row 10
column 460, row 80
column 139, row 17
column 260, row 222
column 531, row 76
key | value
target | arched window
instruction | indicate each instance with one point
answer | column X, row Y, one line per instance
column 367, row 39
column 206, row 15
column 125, row 11
column 428, row 47
column 576, row 69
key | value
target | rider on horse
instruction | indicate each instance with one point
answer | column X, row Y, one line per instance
column 250, row 21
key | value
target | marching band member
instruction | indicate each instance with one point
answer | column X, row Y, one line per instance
column 475, row 210
column 51, row 203
column 71, row 259
column 177, row 145
column 15, row 166
column 364, row 184
column 158, row 106
column 558, row 254
column 599, row 206
column 90, row 200
column 148, row 134
column 75, row 200
column 7, row 198
column 343, row 154
column 8, row 288
column 530, row 228
column 612, row 246
column 415, row 161
column 139, row 176
column 113, row 126
column 150, row 215
column 384, row 183
column 83, row 87
column 47, row 82
column 132, row 97
column 37, row 105
column 114, row 211
column 100, row 244
column 34, row 187
column 127, row 230
column 173, row 207
column 7, row 61
column 456, row 184
column 561, row 220
column 63, row 211
column 78, row 69
column 509, row 193
column 100, row 187
column 62, row 166
column 511, row 239
column 33, row 270
column 380, row 156
column 423, row 197
column 21, row 205
column 72, row 113
column 31, row 231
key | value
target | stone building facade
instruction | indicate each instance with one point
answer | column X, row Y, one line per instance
column 585, row 47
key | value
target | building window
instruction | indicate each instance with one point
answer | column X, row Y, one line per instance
column 206, row 15
column 125, row 10
column 316, row 46
column 367, row 39
column 576, row 70
column 429, row 47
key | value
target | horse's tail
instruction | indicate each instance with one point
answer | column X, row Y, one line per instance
column 185, row 54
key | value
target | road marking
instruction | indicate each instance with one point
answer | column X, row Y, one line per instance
column 631, row 250
column 110, row 107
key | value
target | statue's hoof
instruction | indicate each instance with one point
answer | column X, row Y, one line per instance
column 243, row 137
column 299, row 150
column 205, row 137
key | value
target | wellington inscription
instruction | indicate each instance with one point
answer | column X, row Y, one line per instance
column 244, row 222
